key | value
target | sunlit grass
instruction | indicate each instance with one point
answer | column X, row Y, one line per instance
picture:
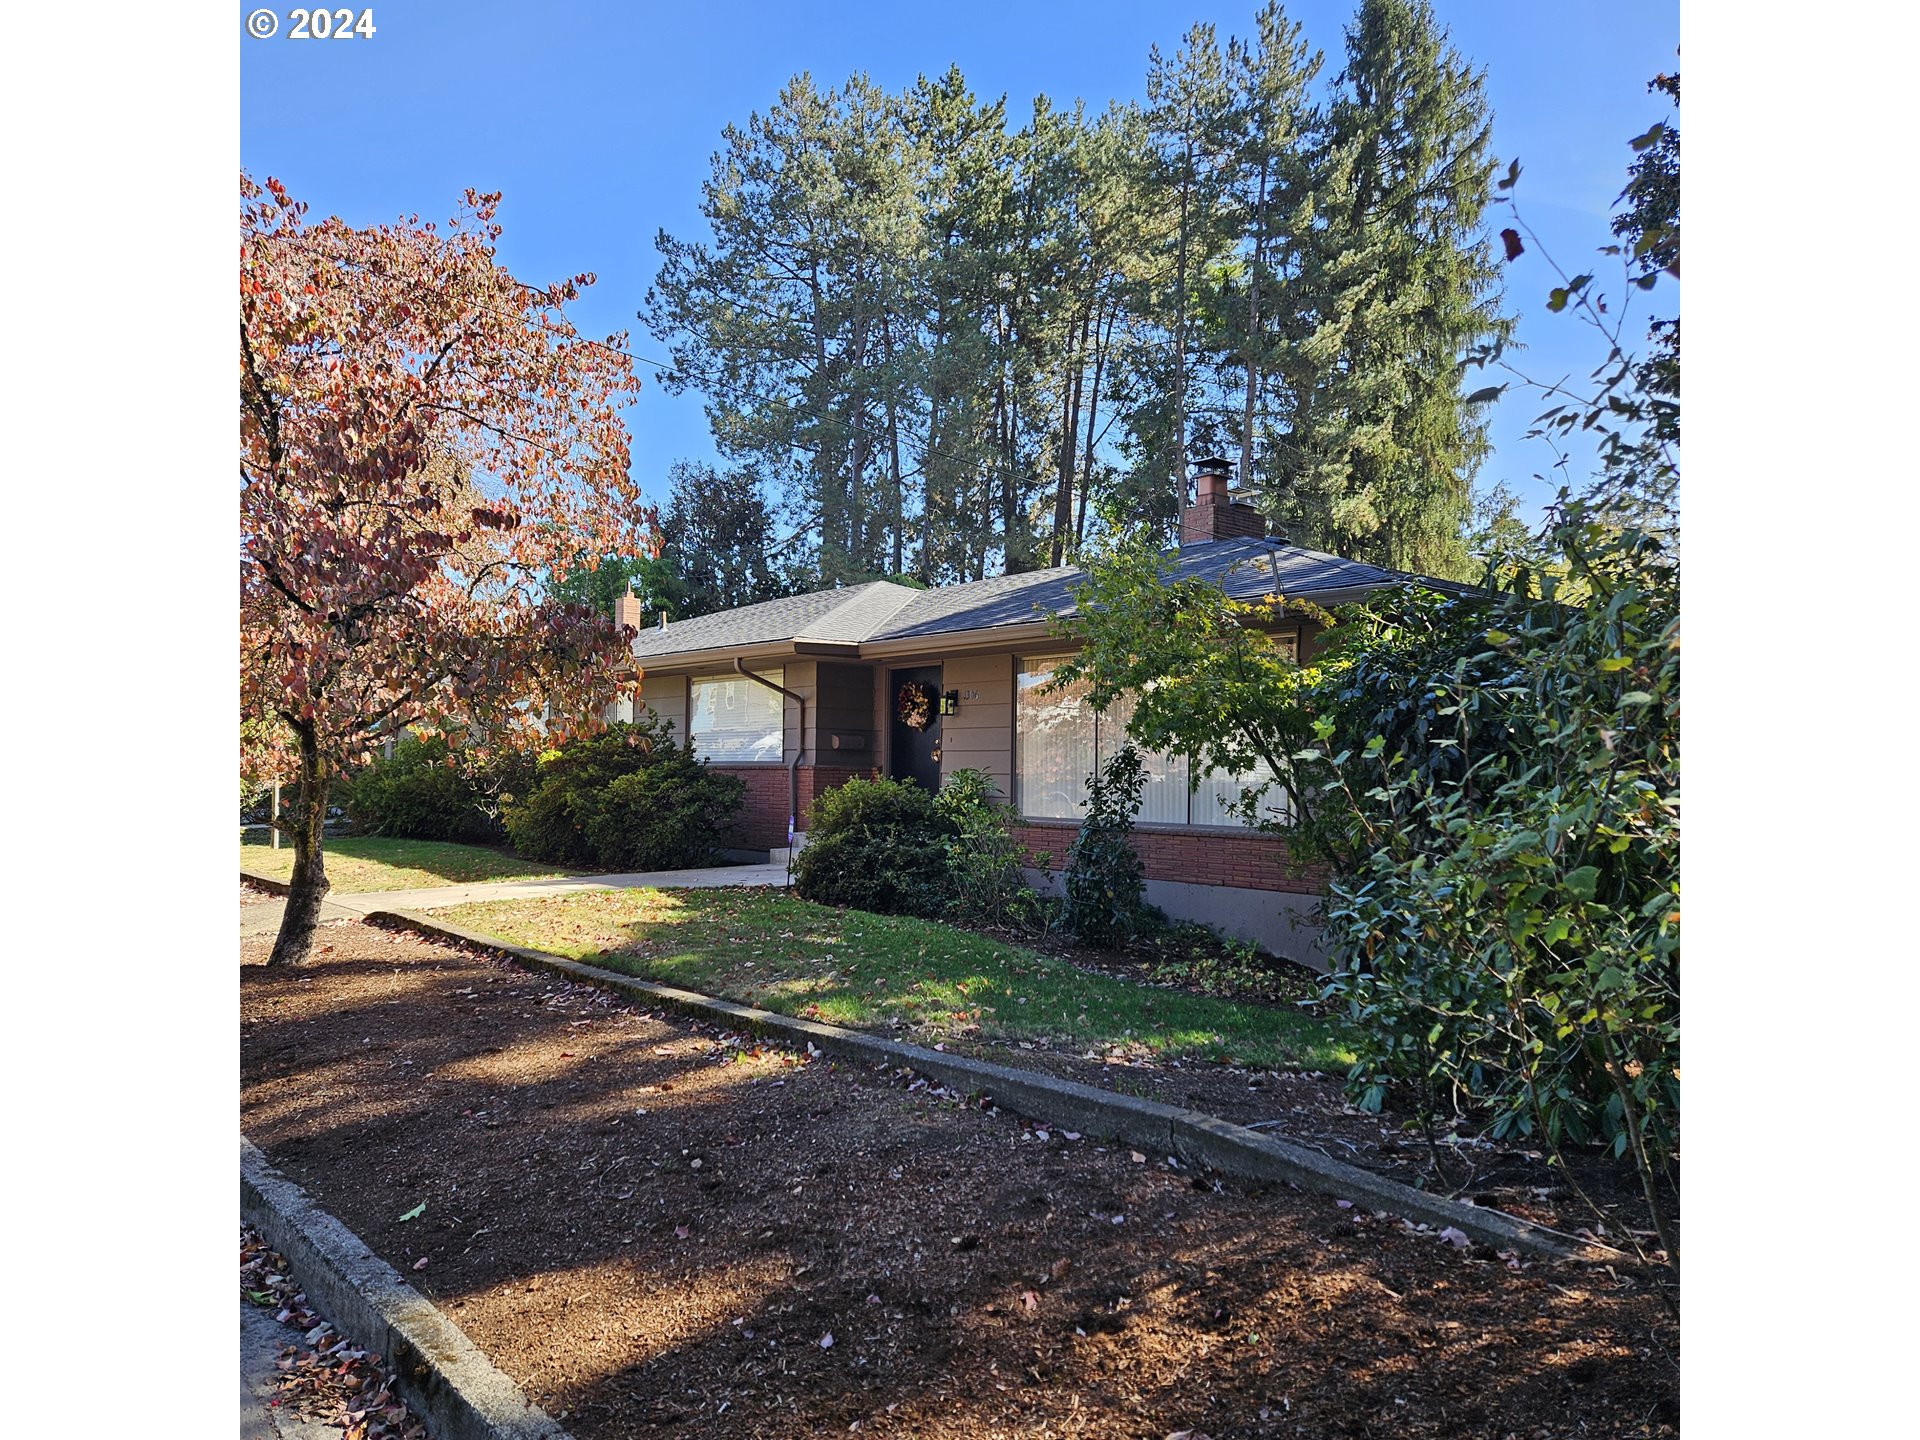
column 373, row 863
column 884, row 972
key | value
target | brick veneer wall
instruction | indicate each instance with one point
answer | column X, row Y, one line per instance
column 763, row 813
column 1245, row 862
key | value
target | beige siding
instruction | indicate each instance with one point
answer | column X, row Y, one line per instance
column 980, row 735
column 803, row 678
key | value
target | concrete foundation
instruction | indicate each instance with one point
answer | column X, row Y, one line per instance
column 1280, row 923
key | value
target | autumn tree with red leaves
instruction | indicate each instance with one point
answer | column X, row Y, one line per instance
column 423, row 439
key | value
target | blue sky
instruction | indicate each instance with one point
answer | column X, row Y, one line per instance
column 597, row 121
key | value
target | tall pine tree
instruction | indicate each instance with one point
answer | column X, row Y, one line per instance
column 1383, row 446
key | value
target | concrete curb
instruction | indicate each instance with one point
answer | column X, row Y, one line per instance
column 1191, row 1134
column 440, row 1372
column 267, row 883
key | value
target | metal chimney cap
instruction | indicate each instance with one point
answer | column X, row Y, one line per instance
column 1213, row 465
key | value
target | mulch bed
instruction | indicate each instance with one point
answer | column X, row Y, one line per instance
column 655, row 1227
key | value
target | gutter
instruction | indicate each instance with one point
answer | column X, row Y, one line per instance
column 799, row 749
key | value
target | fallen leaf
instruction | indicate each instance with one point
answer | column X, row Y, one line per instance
column 1456, row 1238
column 414, row 1214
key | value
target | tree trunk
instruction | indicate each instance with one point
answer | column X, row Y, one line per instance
column 309, row 888
column 1069, row 435
column 899, row 499
column 1252, row 346
column 1179, row 477
column 1093, row 416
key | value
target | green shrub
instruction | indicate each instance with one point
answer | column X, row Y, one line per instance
column 1106, row 888
column 877, row 845
column 1509, row 939
column 421, row 792
column 674, row 813
column 626, row 798
column 984, row 860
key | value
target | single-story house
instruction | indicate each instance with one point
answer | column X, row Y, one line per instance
column 801, row 694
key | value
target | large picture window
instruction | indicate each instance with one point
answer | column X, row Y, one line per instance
column 733, row 718
column 1059, row 741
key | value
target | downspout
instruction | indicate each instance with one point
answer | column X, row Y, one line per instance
column 793, row 765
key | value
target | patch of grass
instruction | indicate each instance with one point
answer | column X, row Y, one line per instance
column 882, row 972
column 373, row 863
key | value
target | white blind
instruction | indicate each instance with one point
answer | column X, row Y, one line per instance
column 1163, row 801
column 1053, row 745
column 1218, row 791
column 733, row 718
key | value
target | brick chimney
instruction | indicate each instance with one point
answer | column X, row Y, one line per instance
column 626, row 608
column 1213, row 516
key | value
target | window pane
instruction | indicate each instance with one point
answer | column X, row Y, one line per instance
column 1218, row 791
column 1053, row 746
column 1164, row 799
column 737, row 718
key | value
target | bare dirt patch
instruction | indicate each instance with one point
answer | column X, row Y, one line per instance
column 649, row 1224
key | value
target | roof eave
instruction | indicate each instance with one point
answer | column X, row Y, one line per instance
column 722, row 655
column 985, row 637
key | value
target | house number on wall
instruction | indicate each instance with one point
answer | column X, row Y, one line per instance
column 969, row 694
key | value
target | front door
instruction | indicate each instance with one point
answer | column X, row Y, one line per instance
column 914, row 743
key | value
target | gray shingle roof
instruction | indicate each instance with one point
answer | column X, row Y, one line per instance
column 828, row 615
column 1245, row 568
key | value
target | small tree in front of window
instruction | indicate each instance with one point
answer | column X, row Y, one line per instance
column 1106, row 899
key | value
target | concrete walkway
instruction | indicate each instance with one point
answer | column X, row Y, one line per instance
column 264, row 918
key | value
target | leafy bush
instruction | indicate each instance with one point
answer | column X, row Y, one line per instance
column 983, row 858
column 421, row 792
column 672, row 814
column 1106, row 888
column 878, row 845
column 628, row 797
column 1510, row 936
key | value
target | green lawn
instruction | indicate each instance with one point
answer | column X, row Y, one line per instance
column 376, row 864
column 847, row 967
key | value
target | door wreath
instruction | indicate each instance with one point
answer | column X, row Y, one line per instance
column 914, row 704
